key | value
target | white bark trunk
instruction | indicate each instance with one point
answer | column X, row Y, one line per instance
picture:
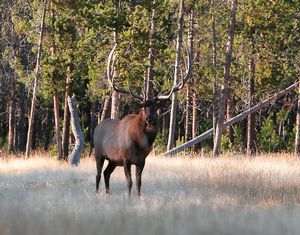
column 77, row 132
column 172, row 128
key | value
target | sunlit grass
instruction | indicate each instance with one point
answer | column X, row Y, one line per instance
column 182, row 195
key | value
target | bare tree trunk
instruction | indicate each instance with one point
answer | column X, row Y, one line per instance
column 115, row 97
column 37, row 69
column 297, row 135
column 194, row 116
column 214, row 64
column 172, row 129
column 228, row 58
column 233, row 120
column 115, row 104
column 105, row 109
column 251, row 132
column 57, row 125
column 188, row 116
column 188, row 121
column 66, row 123
column 77, row 132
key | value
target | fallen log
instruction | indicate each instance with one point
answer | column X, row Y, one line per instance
column 77, row 132
column 231, row 121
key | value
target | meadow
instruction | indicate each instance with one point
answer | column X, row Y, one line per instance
column 180, row 195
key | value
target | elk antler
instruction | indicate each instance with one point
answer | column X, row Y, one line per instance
column 110, row 76
column 179, row 86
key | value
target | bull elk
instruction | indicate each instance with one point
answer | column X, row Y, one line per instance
column 128, row 141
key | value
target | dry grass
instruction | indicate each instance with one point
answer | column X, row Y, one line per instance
column 228, row 195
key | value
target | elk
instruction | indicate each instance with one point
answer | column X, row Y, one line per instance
column 128, row 141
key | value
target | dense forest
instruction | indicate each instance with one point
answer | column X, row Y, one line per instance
column 241, row 51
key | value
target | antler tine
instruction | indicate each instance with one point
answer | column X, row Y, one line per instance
column 110, row 72
column 184, row 80
column 110, row 76
column 110, row 64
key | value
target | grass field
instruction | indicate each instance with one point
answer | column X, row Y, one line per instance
column 228, row 195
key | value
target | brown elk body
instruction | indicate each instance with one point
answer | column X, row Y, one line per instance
column 128, row 141
column 125, row 142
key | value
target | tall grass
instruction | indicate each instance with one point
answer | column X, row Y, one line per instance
column 226, row 195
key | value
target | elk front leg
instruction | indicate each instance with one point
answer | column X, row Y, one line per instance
column 99, row 164
column 109, row 169
column 138, row 175
column 127, row 170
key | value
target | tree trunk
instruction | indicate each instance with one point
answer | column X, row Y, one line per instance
column 115, row 103
column 251, row 132
column 214, row 65
column 171, row 138
column 233, row 120
column 228, row 58
column 11, row 125
column 93, row 123
column 77, row 132
column 105, row 109
column 37, row 69
column 229, row 113
column 194, row 116
column 188, row 121
column 22, row 122
column 115, row 97
column 66, row 123
column 297, row 135
column 47, row 129
column 57, row 125
column 188, row 116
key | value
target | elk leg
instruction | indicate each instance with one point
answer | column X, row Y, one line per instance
column 99, row 162
column 127, row 170
column 109, row 169
column 138, row 175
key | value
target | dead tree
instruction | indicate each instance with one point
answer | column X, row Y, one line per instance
column 77, row 132
column 223, row 99
column 233, row 120
column 171, row 138
column 214, row 67
column 251, row 132
column 189, row 93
